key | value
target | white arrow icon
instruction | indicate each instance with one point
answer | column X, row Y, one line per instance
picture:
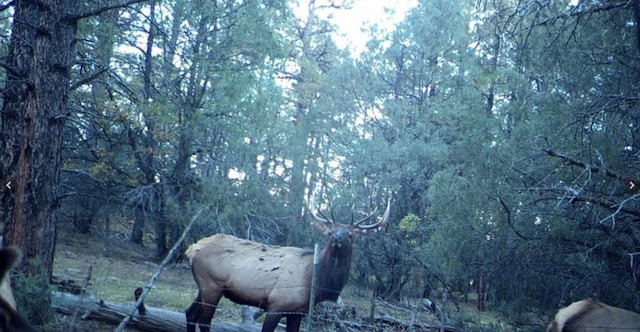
column 631, row 185
column 8, row 184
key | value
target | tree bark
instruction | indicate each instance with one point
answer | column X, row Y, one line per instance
column 32, row 117
column 480, row 292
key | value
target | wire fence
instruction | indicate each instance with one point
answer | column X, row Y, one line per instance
column 369, row 323
column 329, row 316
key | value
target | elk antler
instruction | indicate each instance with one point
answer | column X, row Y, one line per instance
column 357, row 223
column 323, row 219
column 377, row 225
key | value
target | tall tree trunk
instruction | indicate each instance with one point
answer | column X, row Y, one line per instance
column 33, row 114
column 304, row 94
column 480, row 292
column 161, row 228
column 137, row 232
column 144, row 146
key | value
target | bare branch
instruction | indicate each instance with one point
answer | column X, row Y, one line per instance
column 6, row 6
column 87, row 79
column 507, row 210
column 592, row 10
column 616, row 207
column 574, row 195
column 620, row 208
column 98, row 11
column 591, row 168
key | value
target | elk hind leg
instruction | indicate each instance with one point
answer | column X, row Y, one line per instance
column 271, row 322
column 208, row 304
column 193, row 313
column 293, row 322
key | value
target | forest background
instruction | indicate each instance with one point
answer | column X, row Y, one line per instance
column 506, row 132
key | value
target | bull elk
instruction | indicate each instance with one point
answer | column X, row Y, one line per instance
column 276, row 279
column 594, row 316
column 10, row 320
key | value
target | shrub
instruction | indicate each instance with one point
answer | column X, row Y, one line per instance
column 33, row 297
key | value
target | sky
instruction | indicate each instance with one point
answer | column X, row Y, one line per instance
column 363, row 14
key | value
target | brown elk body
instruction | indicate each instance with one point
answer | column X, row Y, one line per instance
column 10, row 320
column 276, row 279
column 594, row 316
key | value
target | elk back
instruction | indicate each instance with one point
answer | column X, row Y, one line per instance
column 594, row 316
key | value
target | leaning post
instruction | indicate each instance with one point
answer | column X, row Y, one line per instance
column 312, row 294
column 155, row 276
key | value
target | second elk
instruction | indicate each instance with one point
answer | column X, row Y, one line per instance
column 276, row 279
column 10, row 320
column 594, row 316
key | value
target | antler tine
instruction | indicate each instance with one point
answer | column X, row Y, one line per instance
column 333, row 218
column 357, row 223
column 353, row 206
column 327, row 220
column 323, row 219
column 385, row 218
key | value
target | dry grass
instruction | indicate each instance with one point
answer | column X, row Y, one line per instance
column 118, row 268
column 117, row 271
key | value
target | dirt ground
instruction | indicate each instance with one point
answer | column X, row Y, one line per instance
column 117, row 268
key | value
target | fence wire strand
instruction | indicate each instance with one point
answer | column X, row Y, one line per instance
column 356, row 323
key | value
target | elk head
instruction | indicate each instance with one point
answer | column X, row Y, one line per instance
column 335, row 258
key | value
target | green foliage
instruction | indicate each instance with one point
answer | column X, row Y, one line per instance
column 33, row 297
column 409, row 223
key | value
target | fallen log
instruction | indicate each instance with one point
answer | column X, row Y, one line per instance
column 398, row 323
column 155, row 319
column 162, row 320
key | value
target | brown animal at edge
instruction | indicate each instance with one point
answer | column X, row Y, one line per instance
column 10, row 320
column 594, row 316
column 276, row 279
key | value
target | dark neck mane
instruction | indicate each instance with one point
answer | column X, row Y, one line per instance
column 333, row 272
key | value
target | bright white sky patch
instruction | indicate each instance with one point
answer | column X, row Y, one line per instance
column 353, row 24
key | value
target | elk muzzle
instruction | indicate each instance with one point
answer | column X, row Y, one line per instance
column 340, row 237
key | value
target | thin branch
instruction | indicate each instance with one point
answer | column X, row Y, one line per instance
column 153, row 279
column 100, row 182
column 87, row 79
column 98, row 11
column 83, row 292
column 6, row 6
column 576, row 196
column 636, row 16
column 593, row 169
column 619, row 209
column 592, row 10
column 509, row 221
column 616, row 207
